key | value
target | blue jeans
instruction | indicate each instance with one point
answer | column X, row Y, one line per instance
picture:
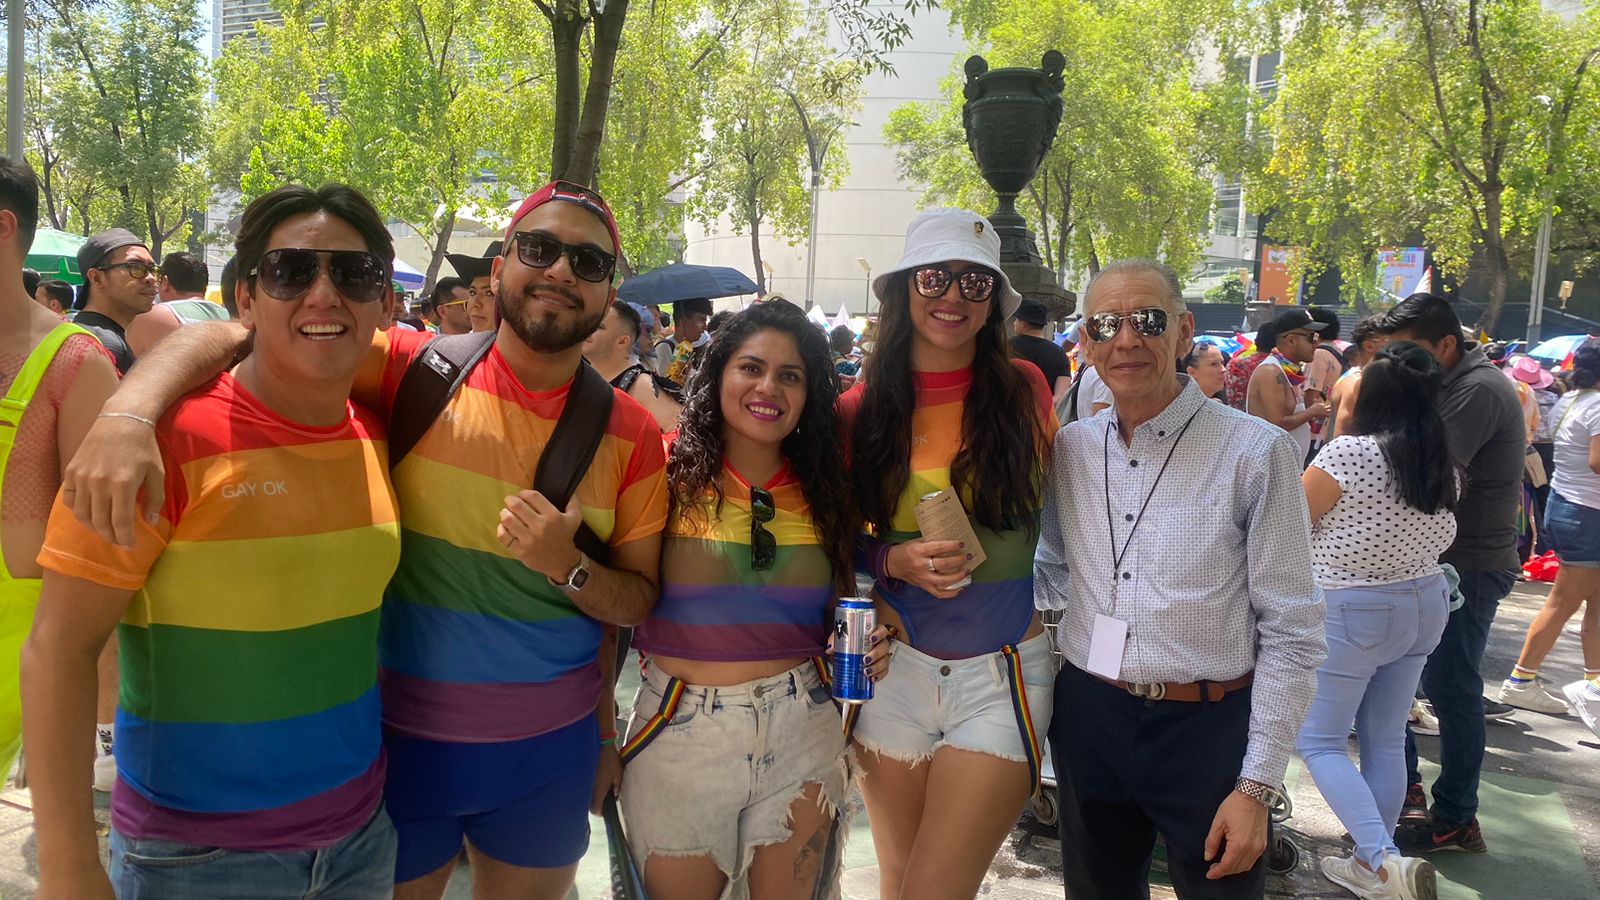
column 1379, row 639
column 360, row 867
column 1453, row 681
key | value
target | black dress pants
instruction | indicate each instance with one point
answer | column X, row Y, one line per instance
column 1128, row 768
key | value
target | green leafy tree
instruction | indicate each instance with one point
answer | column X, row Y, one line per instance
column 587, row 37
column 779, row 81
column 407, row 99
column 121, row 115
column 1456, row 120
column 1129, row 171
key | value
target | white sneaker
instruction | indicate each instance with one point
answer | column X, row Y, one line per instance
column 1531, row 696
column 105, row 773
column 1422, row 719
column 1409, row 878
column 105, row 764
column 1416, row 877
column 1585, row 703
column 1358, row 879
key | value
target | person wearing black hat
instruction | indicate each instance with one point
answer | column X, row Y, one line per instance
column 475, row 271
column 1277, row 387
column 120, row 278
column 1029, row 343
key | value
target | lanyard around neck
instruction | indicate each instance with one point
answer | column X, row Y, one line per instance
column 1118, row 557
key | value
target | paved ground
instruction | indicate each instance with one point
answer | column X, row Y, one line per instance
column 1540, row 814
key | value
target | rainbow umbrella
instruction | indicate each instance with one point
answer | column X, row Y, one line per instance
column 1558, row 348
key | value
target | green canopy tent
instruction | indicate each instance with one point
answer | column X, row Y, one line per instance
column 55, row 255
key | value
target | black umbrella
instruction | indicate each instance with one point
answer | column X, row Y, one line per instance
column 669, row 284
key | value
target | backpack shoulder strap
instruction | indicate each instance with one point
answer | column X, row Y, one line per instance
column 572, row 447
column 1072, row 397
column 433, row 377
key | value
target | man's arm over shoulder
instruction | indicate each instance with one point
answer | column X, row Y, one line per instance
column 385, row 364
column 118, row 455
column 1287, row 605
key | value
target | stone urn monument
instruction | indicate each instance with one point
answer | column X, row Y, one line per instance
column 1011, row 116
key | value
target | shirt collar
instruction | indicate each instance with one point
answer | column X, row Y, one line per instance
column 1183, row 407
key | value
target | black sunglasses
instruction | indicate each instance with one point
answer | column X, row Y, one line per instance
column 541, row 250
column 763, row 546
column 977, row 285
column 289, row 272
column 1149, row 322
column 137, row 269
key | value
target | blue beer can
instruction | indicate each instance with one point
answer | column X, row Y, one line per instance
column 854, row 620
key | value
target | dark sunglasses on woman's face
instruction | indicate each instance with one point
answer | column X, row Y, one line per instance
column 541, row 250
column 289, row 272
column 1148, row 322
column 977, row 285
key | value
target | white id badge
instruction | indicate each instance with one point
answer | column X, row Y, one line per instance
column 1106, row 645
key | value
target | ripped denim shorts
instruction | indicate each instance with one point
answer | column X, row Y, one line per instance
column 714, row 772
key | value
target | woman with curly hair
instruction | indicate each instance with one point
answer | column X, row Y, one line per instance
column 735, row 762
column 951, row 739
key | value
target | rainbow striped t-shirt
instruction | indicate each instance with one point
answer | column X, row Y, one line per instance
column 715, row 607
column 248, row 716
column 475, row 647
column 997, row 608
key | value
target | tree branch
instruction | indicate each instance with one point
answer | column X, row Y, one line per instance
column 1448, row 147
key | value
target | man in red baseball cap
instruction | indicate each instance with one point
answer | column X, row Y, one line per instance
column 495, row 673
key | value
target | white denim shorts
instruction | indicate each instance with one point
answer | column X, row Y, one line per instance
column 925, row 703
column 719, row 774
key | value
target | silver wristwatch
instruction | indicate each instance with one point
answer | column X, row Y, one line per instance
column 577, row 577
column 1264, row 794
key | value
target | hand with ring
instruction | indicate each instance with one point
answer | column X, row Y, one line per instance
column 934, row 566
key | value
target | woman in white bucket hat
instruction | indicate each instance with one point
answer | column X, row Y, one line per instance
column 949, row 745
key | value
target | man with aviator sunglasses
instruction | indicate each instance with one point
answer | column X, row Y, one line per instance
column 499, row 724
column 1190, row 645
column 120, row 279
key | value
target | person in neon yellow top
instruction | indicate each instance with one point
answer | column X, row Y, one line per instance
column 54, row 377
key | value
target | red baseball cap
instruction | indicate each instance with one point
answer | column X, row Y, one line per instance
column 568, row 192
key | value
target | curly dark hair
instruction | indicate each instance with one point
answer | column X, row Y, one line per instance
column 812, row 449
column 997, row 470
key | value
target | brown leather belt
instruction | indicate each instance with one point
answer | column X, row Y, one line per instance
column 1183, row 692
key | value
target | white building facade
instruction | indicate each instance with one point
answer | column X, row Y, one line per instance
column 865, row 218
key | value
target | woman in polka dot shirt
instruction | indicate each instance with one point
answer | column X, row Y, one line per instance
column 1381, row 499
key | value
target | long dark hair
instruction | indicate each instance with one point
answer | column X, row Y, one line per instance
column 1398, row 405
column 997, row 469
column 812, row 449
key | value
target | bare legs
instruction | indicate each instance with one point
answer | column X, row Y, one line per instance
column 937, row 824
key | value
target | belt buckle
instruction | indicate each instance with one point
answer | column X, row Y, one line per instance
column 1153, row 691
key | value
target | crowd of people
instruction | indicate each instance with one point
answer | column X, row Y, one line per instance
column 367, row 578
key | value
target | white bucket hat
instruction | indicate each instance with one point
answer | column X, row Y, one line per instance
column 945, row 235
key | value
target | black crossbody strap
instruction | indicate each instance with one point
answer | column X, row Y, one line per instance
column 428, row 384
column 572, row 448
column 1072, row 396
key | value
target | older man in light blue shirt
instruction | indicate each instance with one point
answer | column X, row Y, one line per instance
column 1175, row 544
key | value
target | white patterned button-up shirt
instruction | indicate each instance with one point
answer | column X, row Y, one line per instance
column 1216, row 580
